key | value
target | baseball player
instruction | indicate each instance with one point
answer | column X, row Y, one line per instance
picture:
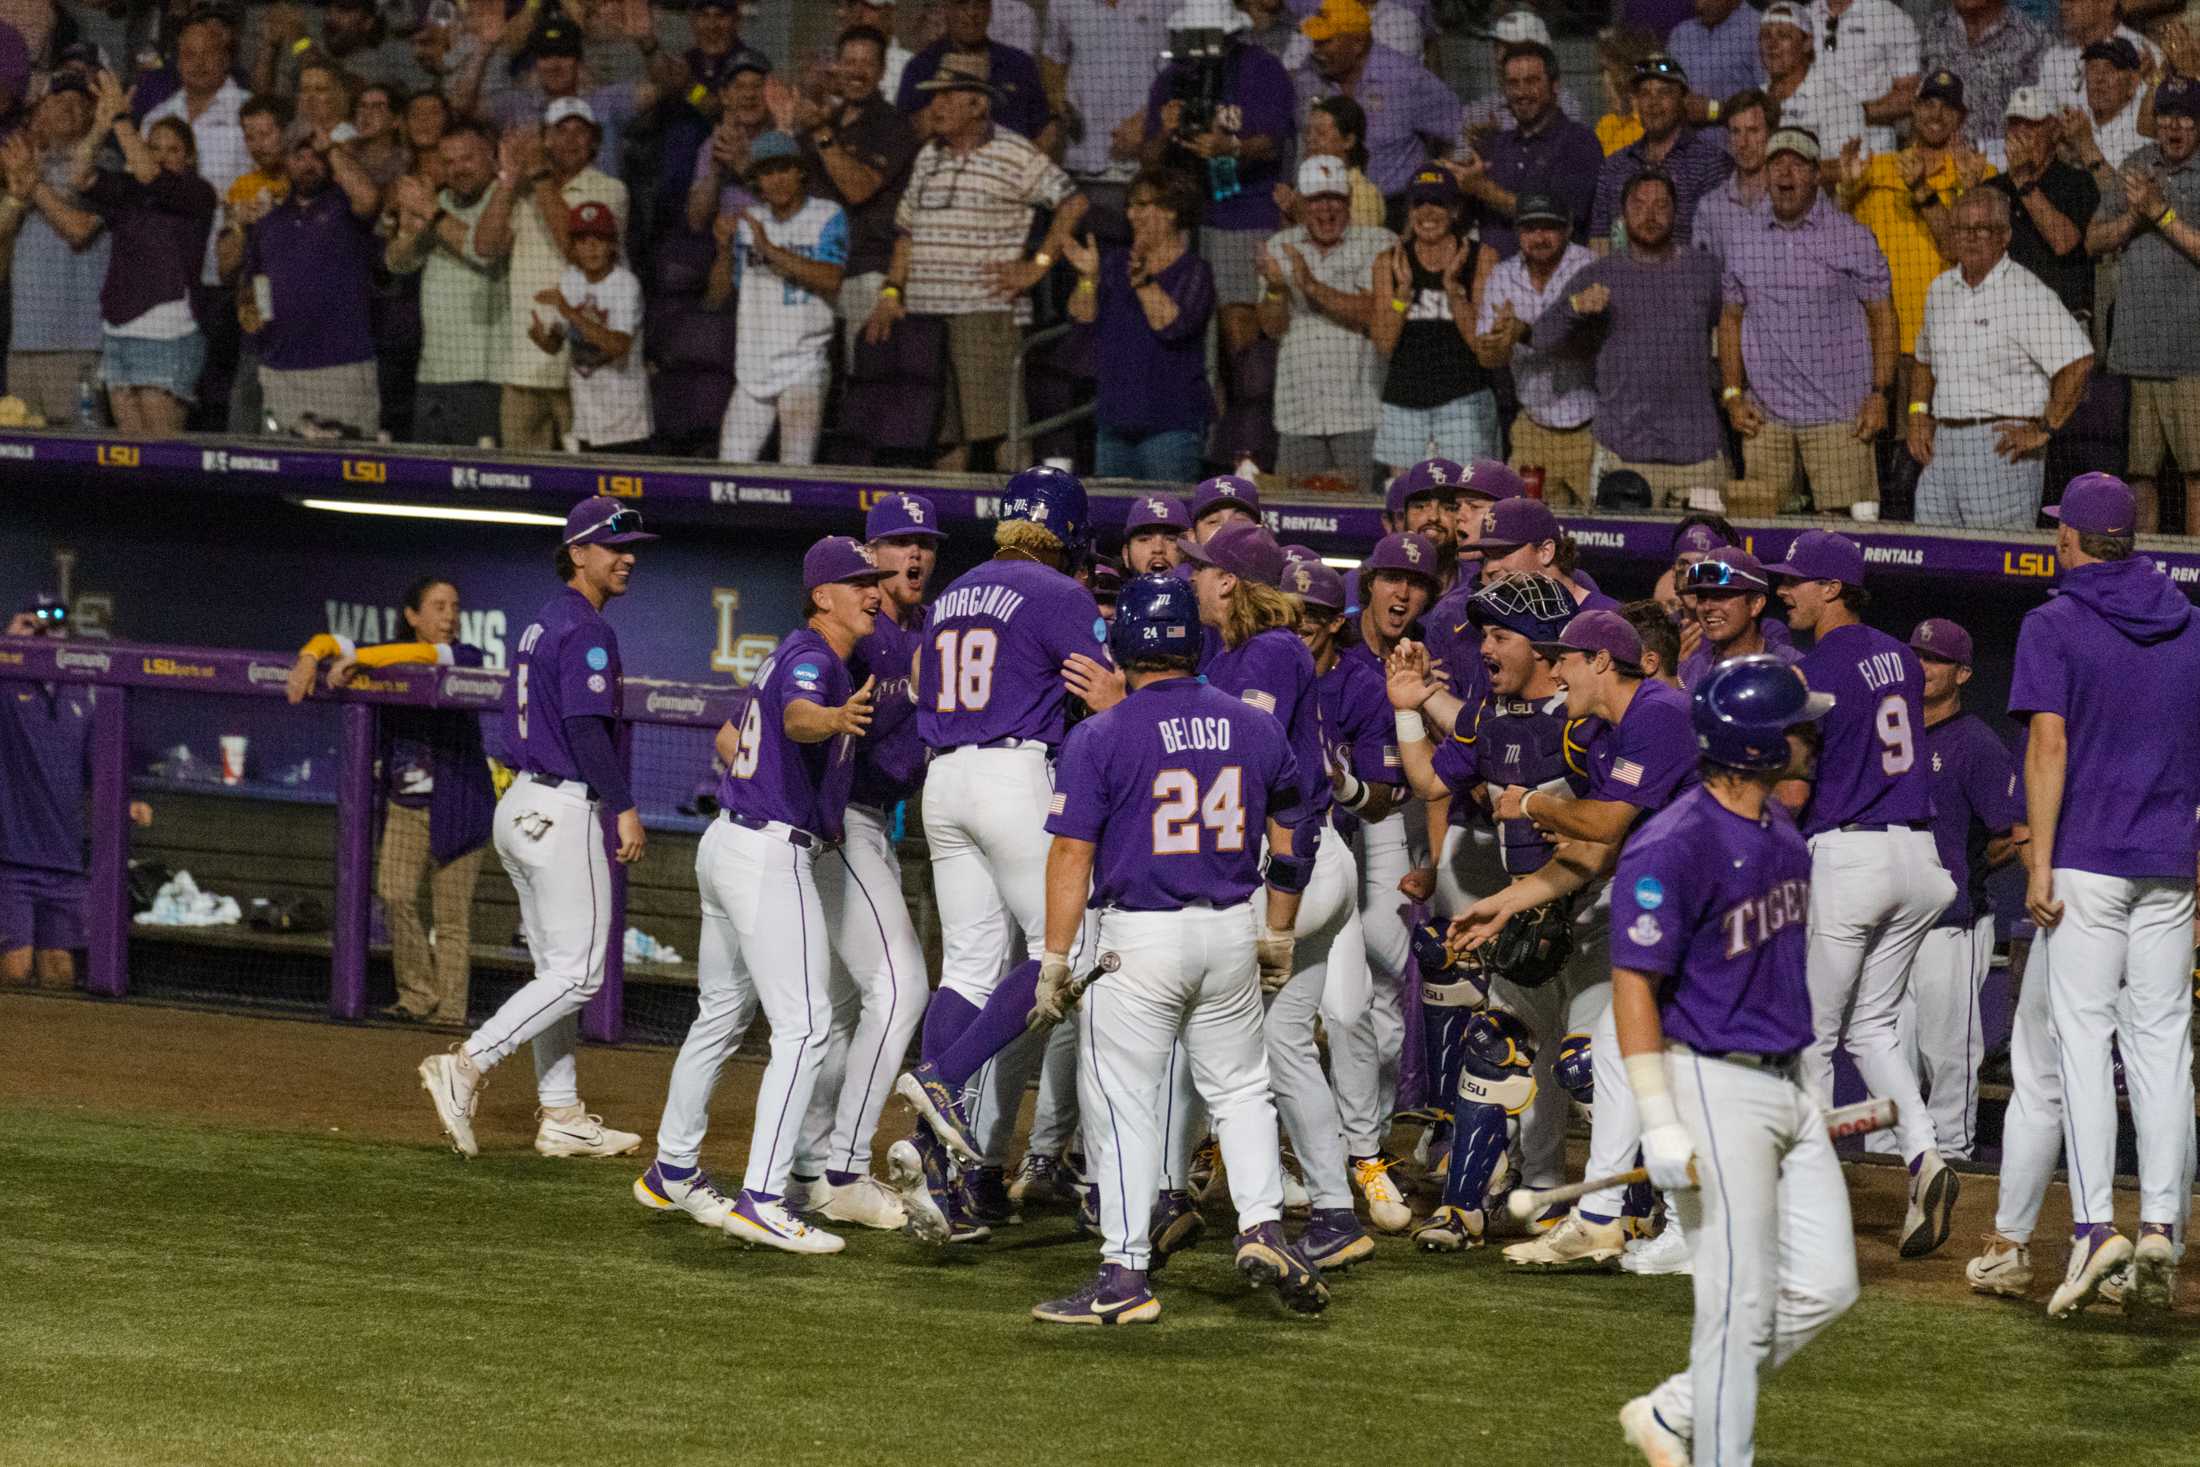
column 1523, row 536
column 1150, row 532
column 2111, row 875
column 1696, row 536
column 1157, row 820
column 1713, row 1007
column 1877, row 882
column 1725, row 593
column 1424, row 501
column 790, row 763
column 561, row 712
column 1225, row 499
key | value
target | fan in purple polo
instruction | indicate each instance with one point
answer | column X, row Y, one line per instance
column 1150, row 533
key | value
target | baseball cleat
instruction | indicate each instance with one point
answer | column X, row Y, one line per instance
column 940, row 1109
column 2152, row 1286
column 1117, row 1295
column 805, row 1195
column 1088, row 1209
column 1450, row 1230
column 1647, row 1433
column 1205, row 1173
column 695, row 1194
column 1039, row 1178
column 1334, row 1239
column 1296, row 1199
column 574, row 1132
column 985, row 1197
column 905, row 1174
column 2116, row 1288
column 867, row 1202
column 1176, row 1225
column 1667, row 1253
column 454, row 1084
column 1386, row 1205
column 1575, row 1243
column 756, row 1219
column 2101, row 1252
column 1932, row 1206
column 1265, row 1257
column 2005, row 1268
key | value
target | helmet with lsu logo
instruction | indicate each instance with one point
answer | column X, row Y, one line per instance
column 1054, row 499
column 1156, row 616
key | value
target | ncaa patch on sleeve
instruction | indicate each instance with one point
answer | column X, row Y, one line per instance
column 1100, row 630
column 1649, row 894
column 598, row 658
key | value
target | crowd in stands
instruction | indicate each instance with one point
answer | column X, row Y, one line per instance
column 1830, row 255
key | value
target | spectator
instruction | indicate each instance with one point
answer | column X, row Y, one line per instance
column 1274, row 30
column 542, row 177
column 1619, row 51
column 1337, row 128
column 1646, row 316
column 2051, row 204
column 1992, row 49
column 1805, row 93
column 1868, row 50
column 1729, row 207
column 1151, row 303
column 2107, row 125
column 464, row 304
column 2062, row 64
column 597, row 306
column 693, row 86
column 427, row 117
column 721, row 166
column 55, row 254
column 2146, row 219
column 786, row 258
column 247, row 202
column 210, row 103
column 1544, row 152
column 1318, row 304
column 354, row 40
column 1436, row 398
column 1416, row 114
column 560, row 73
column 959, row 247
column 1807, row 340
column 878, row 15
column 324, row 96
column 1692, row 163
column 1514, row 28
column 377, row 144
column 1019, row 97
column 310, row 268
column 2001, row 366
column 1903, row 198
column 1237, row 157
column 1014, row 23
column 158, row 211
column 1717, row 47
column 1550, row 434
column 1097, row 64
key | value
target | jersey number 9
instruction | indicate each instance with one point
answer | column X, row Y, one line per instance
column 519, row 702
column 966, row 669
column 1183, row 810
column 1892, row 721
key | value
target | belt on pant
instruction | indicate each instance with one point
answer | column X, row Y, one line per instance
column 1981, row 422
column 1888, row 825
column 793, row 835
column 558, row 782
column 1772, row 1064
column 1040, row 744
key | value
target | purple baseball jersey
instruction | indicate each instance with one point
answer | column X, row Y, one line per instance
column 774, row 778
column 1455, row 647
column 1273, row 671
column 1870, row 771
column 568, row 667
column 1716, row 904
column 45, row 745
column 1520, row 743
column 1705, row 657
column 2117, row 656
column 1649, row 757
column 1975, row 797
column 890, row 758
column 994, row 644
column 1175, row 785
column 1358, row 730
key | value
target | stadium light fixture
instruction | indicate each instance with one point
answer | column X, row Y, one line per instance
column 434, row 512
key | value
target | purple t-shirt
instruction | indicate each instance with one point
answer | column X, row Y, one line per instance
column 1717, row 905
column 1870, row 770
column 890, row 759
column 1802, row 289
column 2117, row 656
column 1258, row 102
column 319, row 259
column 1175, row 785
column 1358, row 729
column 1649, row 757
column 45, row 743
column 1273, row 671
column 994, row 644
column 1705, row 657
column 1975, row 797
column 568, row 667
column 774, row 778
column 1154, row 381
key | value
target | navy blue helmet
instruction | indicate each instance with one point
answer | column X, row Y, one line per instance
column 1054, row 498
column 1155, row 616
column 1744, row 707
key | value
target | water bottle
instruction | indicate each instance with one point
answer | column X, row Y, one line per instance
column 87, row 401
column 1222, row 178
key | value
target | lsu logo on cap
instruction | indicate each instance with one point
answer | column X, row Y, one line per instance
column 913, row 509
column 1302, row 578
column 1412, row 551
column 1157, row 508
column 1438, row 474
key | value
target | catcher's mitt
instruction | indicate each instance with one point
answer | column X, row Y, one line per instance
column 1533, row 945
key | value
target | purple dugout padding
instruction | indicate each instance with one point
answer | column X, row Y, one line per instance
column 347, row 977
column 107, row 907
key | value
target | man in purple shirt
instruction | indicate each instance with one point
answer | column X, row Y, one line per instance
column 1156, row 821
column 1712, row 1005
column 1807, row 338
column 1522, row 536
column 1544, row 153
column 1695, row 161
column 1019, row 96
column 2116, row 654
column 1726, row 592
column 1717, row 47
column 562, row 709
column 1411, row 114
column 1877, row 882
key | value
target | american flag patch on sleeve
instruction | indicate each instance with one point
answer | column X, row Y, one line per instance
column 1265, row 702
column 1058, row 804
column 1626, row 771
column 1390, row 756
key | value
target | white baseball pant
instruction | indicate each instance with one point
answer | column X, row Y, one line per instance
column 1942, row 1036
column 1775, row 1254
column 1468, row 868
column 1364, row 1056
column 1873, row 897
column 1573, row 1001
column 563, row 879
column 1187, row 978
column 2135, row 932
column 1054, row 1115
column 1615, row 1125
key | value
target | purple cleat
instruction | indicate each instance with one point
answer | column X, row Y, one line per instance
column 1333, row 1238
column 1176, row 1226
column 941, row 1110
column 1117, row 1295
column 985, row 1196
column 1266, row 1257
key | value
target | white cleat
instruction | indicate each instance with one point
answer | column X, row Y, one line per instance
column 2152, row 1288
column 905, row 1175
column 695, row 1194
column 1667, row 1253
column 806, row 1195
column 2004, row 1269
column 1932, row 1207
column 577, row 1133
column 1575, row 1244
column 1660, row 1445
column 2093, row 1259
column 454, row 1084
column 1386, row 1205
column 766, row 1221
column 1296, row 1199
column 867, row 1202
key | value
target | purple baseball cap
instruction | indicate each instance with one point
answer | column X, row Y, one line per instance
column 1156, row 512
column 838, row 558
column 902, row 514
column 600, row 520
column 1697, row 539
column 1316, row 584
column 1293, row 554
column 1598, row 631
column 1107, row 581
column 1246, row 551
column 1492, row 479
column 1941, row 639
column 1407, row 554
column 1438, row 476
column 1222, row 489
column 1822, row 555
column 2096, row 504
column 1728, row 568
column 1512, row 523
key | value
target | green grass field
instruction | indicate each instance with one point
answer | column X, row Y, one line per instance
column 182, row 1293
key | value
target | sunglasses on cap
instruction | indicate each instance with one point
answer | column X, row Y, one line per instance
column 622, row 522
column 1717, row 575
column 1661, row 68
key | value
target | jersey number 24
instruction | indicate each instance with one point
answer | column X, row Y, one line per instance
column 1182, row 811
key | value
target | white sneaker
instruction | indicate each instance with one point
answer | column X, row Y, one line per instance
column 454, row 1084
column 867, row 1202
column 2153, row 1285
column 1660, row 1445
column 696, row 1195
column 766, row 1220
column 580, row 1135
column 1667, row 1253
column 2092, row 1259
column 2004, row 1269
column 905, row 1175
column 1386, row 1205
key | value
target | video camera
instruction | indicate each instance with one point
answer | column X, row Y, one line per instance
column 1195, row 58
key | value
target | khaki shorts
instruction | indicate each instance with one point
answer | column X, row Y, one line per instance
column 349, row 394
column 981, row 349
column 2165, row 417
column 1564, row 455
column 1670, row 484
column 534, row 419
column 1840, row 469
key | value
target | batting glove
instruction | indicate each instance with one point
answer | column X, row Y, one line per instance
column 1054, row 999
column 1272, row 952
column 1670, row 1157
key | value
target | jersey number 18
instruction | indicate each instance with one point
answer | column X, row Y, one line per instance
column 966, row 668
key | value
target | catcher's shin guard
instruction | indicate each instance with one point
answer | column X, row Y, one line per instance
column 1495, row 1086
column 1453, row 989
column 1571, row 1067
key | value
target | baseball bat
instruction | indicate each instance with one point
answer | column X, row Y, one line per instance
column 1109, row 962
column 1861, row 1119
